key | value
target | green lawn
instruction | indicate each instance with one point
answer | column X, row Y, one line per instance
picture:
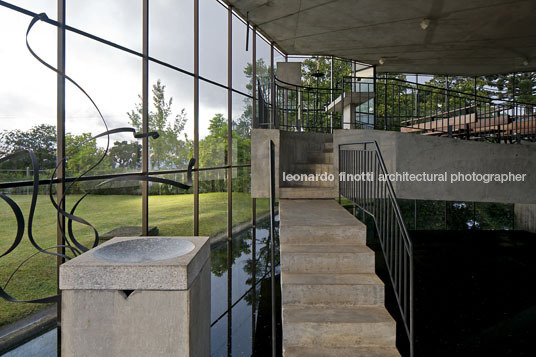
column 172, row 214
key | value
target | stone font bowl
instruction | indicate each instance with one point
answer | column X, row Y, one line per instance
column 144, row 250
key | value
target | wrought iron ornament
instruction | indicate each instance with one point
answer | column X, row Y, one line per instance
column 71, row 243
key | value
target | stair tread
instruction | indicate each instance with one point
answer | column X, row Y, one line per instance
column 325, row 248
column 297, row 192
column 330, row 279
column 319, row 351
column 307, row 188
column 323, row 314
column 314, row 213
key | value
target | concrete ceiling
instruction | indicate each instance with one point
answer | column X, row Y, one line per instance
column 464, row 37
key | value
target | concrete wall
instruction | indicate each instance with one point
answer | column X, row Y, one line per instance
column 296, row 146
column 416, row 154
column 525, row 217
column 290, row 148
column 260, row 163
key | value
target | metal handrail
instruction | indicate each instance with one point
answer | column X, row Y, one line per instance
column 406, row 106
column 431, row 87
column 419, row 108
column 378, row 199
column 272, row 244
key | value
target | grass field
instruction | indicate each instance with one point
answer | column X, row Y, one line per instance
column 173, row 215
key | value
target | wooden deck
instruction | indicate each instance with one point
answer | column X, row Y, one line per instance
column 464, row 122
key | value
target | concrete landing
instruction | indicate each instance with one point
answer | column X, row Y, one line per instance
column 332, row 300
column 312, row 157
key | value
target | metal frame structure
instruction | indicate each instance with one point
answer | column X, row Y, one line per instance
column 60, row 179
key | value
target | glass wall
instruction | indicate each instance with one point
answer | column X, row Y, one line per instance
column 138, row 90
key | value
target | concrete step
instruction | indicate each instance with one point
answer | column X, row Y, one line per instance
column 318, row 221
column 312, row 168
column 320, row 157
column 332, row 289
column 327, row 146
column 319, row 351
column 315, row 183
column 314, row 192
column 325, row 259
column 329, row 326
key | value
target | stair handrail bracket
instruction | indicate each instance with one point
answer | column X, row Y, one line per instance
column 361, row 165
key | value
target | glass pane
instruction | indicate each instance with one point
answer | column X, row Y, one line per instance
column 38, row 6
column 37, row 277
column 27, row 121
column 213, row 41
column 212, row 125
column 171, row 208
column 171, row 115
column 459, row 215
column 171, row 37
column 242, row 107
column 430, row 215
column 263, row 65
column 241, row 57
column 114, row 210
column 27, row 97
column 113, row 79
column 494, row 216
column 213, row 203
column 119, row 21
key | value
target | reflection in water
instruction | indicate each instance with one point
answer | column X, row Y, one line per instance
column 247, row 332
column 234, row 333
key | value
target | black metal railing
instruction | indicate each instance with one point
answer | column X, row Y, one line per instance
column 387, row 103
column 364, row 180
column 411, row 107
column 301, row 108
column 262, row 119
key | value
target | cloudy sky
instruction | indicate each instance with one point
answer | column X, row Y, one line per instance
column 113, row 77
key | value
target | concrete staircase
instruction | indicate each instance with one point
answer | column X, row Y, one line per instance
column 332, row 300
column 315, row 159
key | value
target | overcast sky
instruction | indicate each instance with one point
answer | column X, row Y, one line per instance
column 113, row 77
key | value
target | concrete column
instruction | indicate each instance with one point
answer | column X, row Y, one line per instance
column 349, row 116
column 525, row 217
column 138, row 297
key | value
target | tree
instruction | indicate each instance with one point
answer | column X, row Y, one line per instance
column 213, row 152
column 41, row 139
column 169, row 150
column 503, row 85
column 244, row 125
column 322, row 64
column 125, row 155
column 82, row 153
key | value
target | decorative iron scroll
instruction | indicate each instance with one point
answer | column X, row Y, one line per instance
column 71, row 243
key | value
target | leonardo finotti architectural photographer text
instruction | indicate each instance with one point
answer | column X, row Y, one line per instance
column 410, row 177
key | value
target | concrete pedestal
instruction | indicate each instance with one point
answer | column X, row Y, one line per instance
column 137, row 308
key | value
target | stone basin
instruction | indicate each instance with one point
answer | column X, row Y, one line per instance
column 144, row 250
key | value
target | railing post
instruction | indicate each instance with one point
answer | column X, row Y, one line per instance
column 375, row 97
column 300, row 109
column 272, row 243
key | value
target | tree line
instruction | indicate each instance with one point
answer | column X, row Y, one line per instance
column 171, row 151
